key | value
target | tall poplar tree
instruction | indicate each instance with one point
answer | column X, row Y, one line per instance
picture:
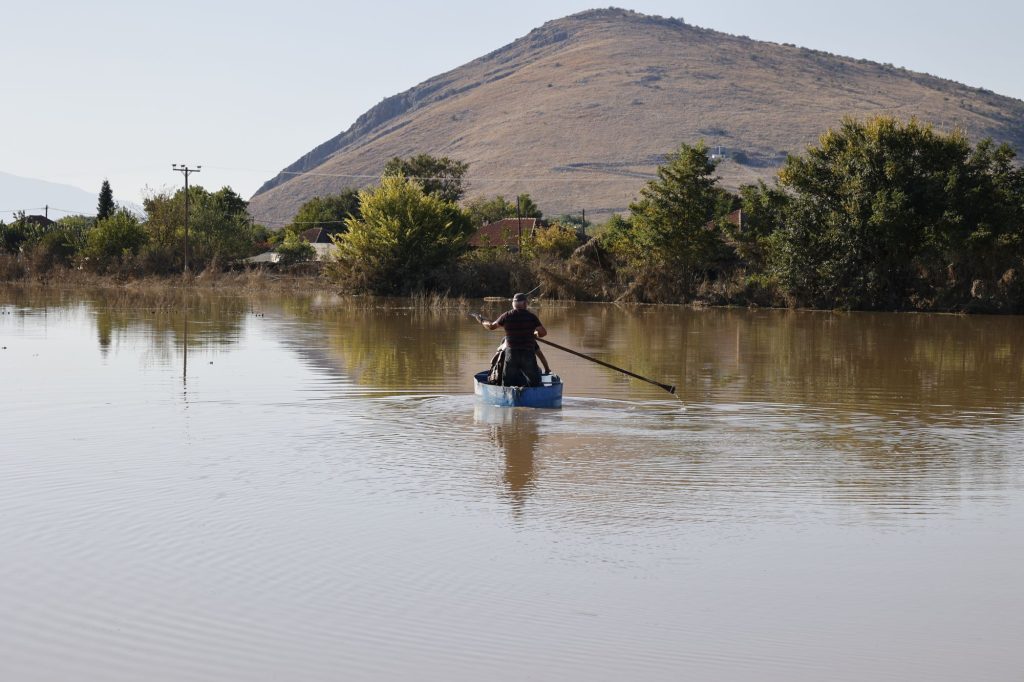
column 105, row 208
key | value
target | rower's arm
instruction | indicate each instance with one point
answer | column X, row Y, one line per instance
column 487, row 324
column 540, row 332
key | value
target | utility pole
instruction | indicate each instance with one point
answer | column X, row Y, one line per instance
column 186, row 171
column 519, row 218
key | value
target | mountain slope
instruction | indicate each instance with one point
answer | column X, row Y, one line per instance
column 580, row 111
column 30, row 195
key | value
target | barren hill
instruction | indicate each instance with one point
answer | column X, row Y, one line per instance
column 580, row 111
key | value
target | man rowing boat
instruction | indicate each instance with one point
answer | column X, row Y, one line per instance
column 522, row 329
column 497, row 364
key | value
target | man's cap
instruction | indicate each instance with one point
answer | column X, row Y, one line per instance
column 519, row 297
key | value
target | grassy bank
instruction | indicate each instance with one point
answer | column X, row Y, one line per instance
column 251, row 280
column 168, row 292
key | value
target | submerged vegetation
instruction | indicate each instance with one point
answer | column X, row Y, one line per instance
column 880, row 215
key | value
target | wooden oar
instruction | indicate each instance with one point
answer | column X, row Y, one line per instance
column 670, row 389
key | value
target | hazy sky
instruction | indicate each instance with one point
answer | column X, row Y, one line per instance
column 120, row 89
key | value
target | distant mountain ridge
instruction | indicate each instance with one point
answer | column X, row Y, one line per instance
column 580, row 111
column 32, row 196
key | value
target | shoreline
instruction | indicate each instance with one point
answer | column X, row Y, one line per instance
column 251, row 282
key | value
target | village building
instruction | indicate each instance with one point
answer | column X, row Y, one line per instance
column 506, row 233
column 320, row 239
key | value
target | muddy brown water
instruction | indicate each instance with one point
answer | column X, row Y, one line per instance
column 200, row 487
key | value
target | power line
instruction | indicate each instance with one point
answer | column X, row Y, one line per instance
column 301, row 222
column 286, row 223
column 67, row 210
column 466, row 178
column 43, row 208
column 16, row 210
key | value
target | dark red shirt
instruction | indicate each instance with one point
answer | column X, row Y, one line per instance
column 519, row 326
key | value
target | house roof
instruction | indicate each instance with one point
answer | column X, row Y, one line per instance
column 736, row 218
column 323, row 253
column 316, row 235
column 266, row 257
column 40, row 220
column 503, row 232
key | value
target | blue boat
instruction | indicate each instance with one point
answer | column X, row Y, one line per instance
column 548, row 395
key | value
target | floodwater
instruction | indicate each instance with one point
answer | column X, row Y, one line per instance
column 201, row 487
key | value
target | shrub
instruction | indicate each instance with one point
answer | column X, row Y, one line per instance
column 489, row 272
column 54, row 249
column 557, row 241
column 12, row 236
column 294, row 249
column 403, row 240
column 114, row 242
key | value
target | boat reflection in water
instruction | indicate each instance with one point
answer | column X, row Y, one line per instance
column 516, row 432
column 548, row 394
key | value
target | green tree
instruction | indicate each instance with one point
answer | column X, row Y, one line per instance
column 669, row 239
column 105, row 207
column 615, row 235
column 556, row 241
column 294, row 249
column 12, row 236
column 439, row 176
column 886, row 214
column 329, row 212
column 114, row 242
column 483, row 210
column 527, row 207
column 76, row 224
column 403, row 240
column 575, row 219
column 220, row 229
column 992, row 229
column 764, row 209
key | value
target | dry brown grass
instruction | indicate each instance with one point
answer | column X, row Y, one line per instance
column 167, row 293
column 230, row 281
